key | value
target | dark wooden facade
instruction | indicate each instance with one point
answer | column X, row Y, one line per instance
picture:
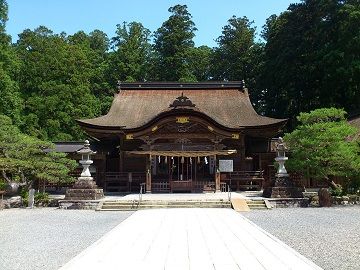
column 171, row 136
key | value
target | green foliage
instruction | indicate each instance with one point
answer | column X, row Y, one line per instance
column 173, row 42
column 131, row 59
column 239, row 56
column 338, row 191
column 322, row 145
column 56, row 81
column 24, row 194
column 23, row 158
column 41, row 198
column 3, row 185
column 11, row 102
column 311, row 58
column 200, row 62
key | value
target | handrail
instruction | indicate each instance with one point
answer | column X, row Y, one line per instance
column 142, row 186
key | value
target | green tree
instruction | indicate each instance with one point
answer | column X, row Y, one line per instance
column 95, row 47
column 321, row 146
column 130, row 60
column 23, row 159
column 312, row 57
column 11, row 103
column 173, row 43
column 200, row 62
column 56, row 83
column 238, row 56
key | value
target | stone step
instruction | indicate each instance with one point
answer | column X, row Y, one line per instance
column 134, row 205
column 149, row 206
column 257, row 204
column 165, row 203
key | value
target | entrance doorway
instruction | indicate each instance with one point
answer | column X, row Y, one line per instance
column 182, row 174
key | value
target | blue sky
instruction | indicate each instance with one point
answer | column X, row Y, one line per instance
column 71, row 16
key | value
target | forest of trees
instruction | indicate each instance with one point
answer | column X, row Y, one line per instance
column 308, row 57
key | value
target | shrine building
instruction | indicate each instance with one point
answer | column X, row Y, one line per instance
column 182, row 137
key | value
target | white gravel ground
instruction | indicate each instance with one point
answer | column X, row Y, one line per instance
column 330, row 237
column 46, row 238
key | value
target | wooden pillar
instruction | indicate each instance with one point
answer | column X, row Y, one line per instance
column 148, row 174
column 217, row 176
column 217, row 182
column 121, row 155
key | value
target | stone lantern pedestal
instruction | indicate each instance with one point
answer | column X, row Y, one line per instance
column 282, row 187
column 85, row 187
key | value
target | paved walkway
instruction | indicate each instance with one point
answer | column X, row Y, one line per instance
column 198, row 239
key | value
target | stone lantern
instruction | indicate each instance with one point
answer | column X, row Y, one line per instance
column 281, row 158
column 282, row 187
column 85, row 161
column 85, row 187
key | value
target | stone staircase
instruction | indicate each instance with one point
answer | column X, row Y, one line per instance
column 133, row 205
column 253, row 193
column 258, row 205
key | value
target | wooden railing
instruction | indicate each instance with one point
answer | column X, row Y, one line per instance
column 244, row 180
column 160, row 187
column 123, row 181
column 130, row 181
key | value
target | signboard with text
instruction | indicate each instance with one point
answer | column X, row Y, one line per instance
column 226, row 165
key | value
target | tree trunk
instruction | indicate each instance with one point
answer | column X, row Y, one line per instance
column 8, row 180
column 331, row 182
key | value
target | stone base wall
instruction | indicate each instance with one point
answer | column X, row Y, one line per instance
column 84, row 194
column 283, row 192
column 288, row 202
column 79, row 204
column 336, row 200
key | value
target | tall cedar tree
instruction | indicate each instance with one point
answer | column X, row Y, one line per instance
column 130, row 60
column 312, row 58
column 238, row 55
column 11, row 103
column 173, row 44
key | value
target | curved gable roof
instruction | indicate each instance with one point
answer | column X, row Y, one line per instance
column 138, row 104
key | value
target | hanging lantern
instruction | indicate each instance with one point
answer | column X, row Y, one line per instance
column 182, row 160
column 198, row 160
column 166, row 160
column 159, row 159
column 190, row 160
column 206, row 161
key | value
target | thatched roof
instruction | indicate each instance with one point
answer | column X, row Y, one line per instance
column 137, row 104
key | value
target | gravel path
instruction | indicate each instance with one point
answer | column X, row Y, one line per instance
column 45, row 239
column 330, row 237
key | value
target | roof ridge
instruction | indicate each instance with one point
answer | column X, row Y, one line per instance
column 182, row 85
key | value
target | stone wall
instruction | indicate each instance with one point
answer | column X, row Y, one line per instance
column 78, row 204
column 288, row 202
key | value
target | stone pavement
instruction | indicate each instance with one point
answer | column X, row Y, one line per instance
column 201, row 239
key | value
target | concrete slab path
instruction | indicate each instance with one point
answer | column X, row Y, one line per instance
column 201, row 239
